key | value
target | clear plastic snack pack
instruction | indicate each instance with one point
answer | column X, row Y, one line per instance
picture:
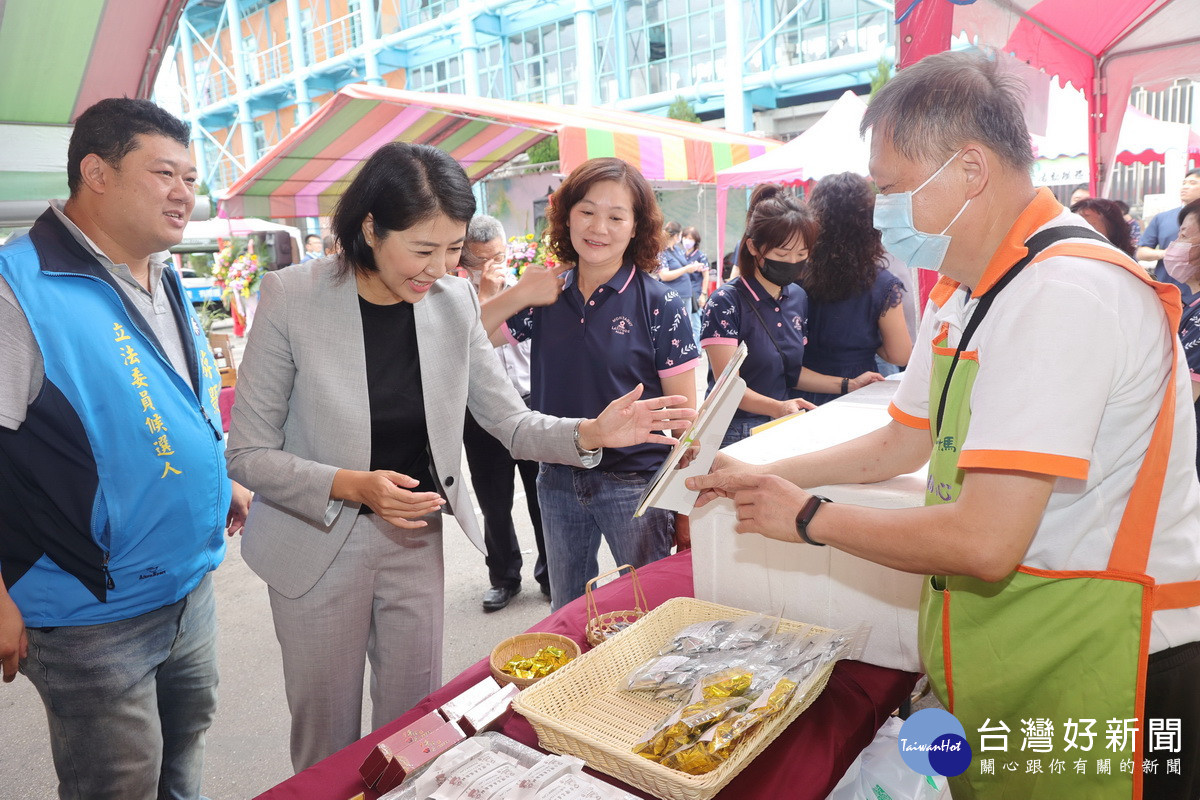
column 493, row 767
column 730, row 676
column 701, row 649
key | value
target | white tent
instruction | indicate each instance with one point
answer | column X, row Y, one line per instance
column 1062, row 152
column 831, row 146
column 220, row 228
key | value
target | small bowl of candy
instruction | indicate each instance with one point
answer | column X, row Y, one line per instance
column 527, row 657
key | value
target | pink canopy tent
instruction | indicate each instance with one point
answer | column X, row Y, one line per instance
column 832, row 145
column 1104, row 47
column 1142, row 139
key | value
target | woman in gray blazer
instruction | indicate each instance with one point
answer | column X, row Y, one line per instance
column 348, row 427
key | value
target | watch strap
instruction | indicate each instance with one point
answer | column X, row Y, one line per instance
column 805, row 517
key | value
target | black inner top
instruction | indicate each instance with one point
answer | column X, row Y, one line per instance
column 399, row 437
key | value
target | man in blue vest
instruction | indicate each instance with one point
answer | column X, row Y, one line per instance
column 113, row 491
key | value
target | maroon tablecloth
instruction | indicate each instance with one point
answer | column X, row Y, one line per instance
column 225, row 403
column 806, row 761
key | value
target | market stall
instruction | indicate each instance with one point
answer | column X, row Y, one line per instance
column 804, row 763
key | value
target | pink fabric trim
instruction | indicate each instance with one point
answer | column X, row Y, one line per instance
column 508, row 335
column 1196, row 377
column 718, row 340
column 678, row 368
column 628, row 281
column 750, row 289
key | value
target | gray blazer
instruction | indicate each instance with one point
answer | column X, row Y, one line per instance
column 302, row 413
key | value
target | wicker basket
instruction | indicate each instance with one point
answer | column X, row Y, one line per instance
column 601, row 626
column 526, row 644
column 581, row 711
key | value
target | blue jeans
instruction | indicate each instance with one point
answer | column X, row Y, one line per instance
column 129, row 702
column 581, row 505
column 739, row 427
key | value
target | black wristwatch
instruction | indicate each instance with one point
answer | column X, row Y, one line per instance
column 804, row 518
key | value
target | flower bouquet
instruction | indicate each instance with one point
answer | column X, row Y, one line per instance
column 526, row 250
column 237, row 273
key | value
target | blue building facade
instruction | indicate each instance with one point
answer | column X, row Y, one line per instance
column 251, row 70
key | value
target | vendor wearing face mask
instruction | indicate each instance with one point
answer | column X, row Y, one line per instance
column 767, row 309
column 1061, row 526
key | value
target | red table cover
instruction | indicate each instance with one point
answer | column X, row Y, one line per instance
column 225, row 403
column 804, row 763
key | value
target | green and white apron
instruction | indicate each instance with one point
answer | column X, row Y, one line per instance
column 1041, row 644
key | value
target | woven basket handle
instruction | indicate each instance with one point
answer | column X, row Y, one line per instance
column 639, row 597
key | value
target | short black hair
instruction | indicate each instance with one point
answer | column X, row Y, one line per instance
column 310, row 237
column 109, row 129
column 1192, row 172
column 400, row 186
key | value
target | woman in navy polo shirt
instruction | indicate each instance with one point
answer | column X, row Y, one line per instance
column 612, row 329
column 854, row 303
column 766, row 309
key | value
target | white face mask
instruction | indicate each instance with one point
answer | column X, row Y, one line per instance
column 894, row 220
column 688, row 244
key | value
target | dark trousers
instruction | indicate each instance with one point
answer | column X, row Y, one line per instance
column 492, row 479
column 1173, row 693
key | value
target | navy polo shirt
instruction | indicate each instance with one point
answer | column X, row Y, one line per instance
column 775, row 353
column 632, row 330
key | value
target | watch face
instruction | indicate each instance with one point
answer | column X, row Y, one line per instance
column 805, row 517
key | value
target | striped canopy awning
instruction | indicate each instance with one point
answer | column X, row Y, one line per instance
column 304, row 174
column 58, row 58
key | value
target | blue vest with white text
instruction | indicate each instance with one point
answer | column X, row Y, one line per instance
column 113, row 492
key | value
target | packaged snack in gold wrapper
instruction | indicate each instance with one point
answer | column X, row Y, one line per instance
column 732, row 682
column 539, row 665
column 729, row 676
column 715, row 744
column 685, row 725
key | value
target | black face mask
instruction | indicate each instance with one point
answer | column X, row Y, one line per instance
column 781, row 273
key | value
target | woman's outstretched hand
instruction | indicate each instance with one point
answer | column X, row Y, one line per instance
column 628, row 420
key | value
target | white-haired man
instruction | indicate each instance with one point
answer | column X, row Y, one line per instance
column 1047, row 391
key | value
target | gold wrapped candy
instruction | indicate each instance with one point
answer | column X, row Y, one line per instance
column 694, row 760
column 684, row 726
column 539, row 665
column 727, row 683
column 717, row 741
column 663, row 741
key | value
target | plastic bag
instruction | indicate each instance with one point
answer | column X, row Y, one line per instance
column 879, row 773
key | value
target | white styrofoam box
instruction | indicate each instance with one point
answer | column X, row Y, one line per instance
column 821, row 585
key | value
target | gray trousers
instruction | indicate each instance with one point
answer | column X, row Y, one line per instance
column 381, row 599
